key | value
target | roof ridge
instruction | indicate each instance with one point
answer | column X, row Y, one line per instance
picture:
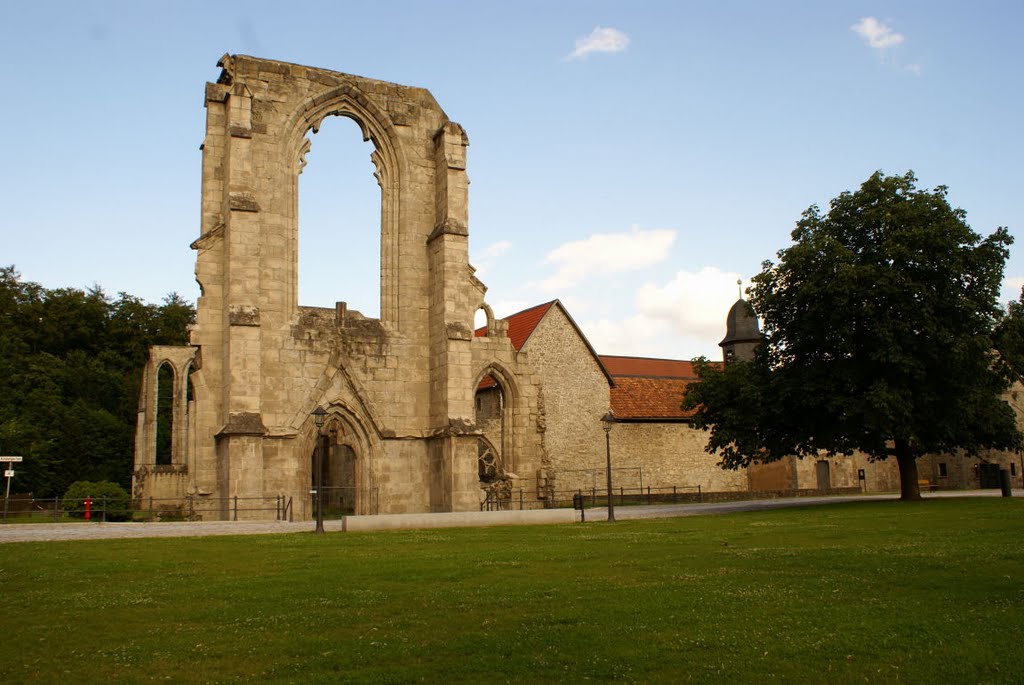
column 657, row 359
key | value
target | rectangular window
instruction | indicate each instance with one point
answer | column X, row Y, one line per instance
column 1013, row 469
column 942, row 470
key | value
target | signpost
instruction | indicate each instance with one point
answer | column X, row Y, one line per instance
column 8, row 474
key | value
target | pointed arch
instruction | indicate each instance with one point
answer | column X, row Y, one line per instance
column 496, row 395
column 376, row 126
column 350, row 453
column 166, row 415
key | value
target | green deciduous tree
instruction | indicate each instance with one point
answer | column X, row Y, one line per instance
column 878, row 325
column 70, row 366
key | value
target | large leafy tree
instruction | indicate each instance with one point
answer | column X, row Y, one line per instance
column 878, row 325
column 70, row 366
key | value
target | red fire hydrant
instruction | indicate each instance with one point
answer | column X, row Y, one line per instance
column 88, row 508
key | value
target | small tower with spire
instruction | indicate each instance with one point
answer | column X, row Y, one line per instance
column 742, row 333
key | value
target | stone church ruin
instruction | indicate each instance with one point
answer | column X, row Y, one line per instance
column 423, row 413
column 400, row 434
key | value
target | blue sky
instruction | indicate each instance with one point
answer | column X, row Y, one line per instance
column 630, row 158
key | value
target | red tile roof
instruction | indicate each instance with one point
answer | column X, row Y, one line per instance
column 521, row 324
column 649, row 398
column 642, row 388
column 644, row 366
column 648, row 388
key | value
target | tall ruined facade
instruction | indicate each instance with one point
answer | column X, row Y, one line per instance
column 400, row 434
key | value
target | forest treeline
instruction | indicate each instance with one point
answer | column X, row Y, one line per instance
column 70, row 365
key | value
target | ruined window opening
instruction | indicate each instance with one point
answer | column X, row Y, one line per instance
column 480, row 319
column 490, row 404
column 164, row 414
column 942, row 470
column 339, row 221
column 488, row 466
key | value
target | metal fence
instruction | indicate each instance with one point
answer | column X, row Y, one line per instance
column 207, row 508
column 341, row 501
column 337, row 502
column 525, row 498
column 27, row 509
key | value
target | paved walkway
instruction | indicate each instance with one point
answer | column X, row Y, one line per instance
column 669, row 510
column 40, row 532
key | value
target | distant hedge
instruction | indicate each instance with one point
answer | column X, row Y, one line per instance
column 109, row 501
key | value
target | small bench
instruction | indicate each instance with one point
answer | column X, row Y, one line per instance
column 925, row 484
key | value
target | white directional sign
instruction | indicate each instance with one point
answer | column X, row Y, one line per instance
column 9, row 473
column 2, row 459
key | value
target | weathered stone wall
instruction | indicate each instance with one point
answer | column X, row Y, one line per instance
column 880, row 476
column 522, row 430
column 575, row 397
column 670, row 454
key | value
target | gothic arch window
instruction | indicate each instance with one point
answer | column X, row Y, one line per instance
column 493, row 404
column 339, row 219
column 165, row 382
column 376, row 127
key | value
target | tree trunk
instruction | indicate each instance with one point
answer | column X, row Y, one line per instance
column 909, row 488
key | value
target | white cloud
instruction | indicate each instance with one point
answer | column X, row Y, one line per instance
column 876, row 34
column 1011, row 289
column 636, row 336
column 606, row 253
column 681, row 319
column 485, row 260
column 694, row 303
column 495, row 249
column 504, row 308
column 601, row 39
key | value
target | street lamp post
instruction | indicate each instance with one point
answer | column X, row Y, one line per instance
column 318, row 418
column 608, row 420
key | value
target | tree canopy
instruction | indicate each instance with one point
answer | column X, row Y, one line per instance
column 878, row 324
column 70, row 363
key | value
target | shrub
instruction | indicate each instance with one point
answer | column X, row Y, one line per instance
column 105, row 495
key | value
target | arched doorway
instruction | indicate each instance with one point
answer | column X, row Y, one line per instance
column 338, row 473
column 349, row 484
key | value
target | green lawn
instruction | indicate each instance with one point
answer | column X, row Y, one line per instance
column 882, row 591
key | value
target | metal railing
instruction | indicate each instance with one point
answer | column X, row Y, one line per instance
column 100, row 510
column 526, row 498
column 21, row 509
column 342, row 501
column 206, row 507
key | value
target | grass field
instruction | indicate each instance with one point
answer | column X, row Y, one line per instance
column 879, row 591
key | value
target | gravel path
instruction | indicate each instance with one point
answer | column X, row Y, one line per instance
column 40, row 532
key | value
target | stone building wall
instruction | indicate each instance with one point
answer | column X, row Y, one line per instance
column 879, row 476
column 575, row 398
column 669, row 454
